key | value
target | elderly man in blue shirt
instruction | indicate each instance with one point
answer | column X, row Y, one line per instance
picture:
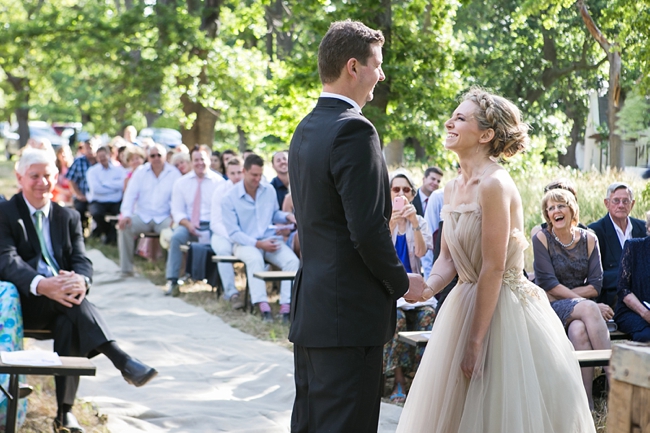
column 250, row 213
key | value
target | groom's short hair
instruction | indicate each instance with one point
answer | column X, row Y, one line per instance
column 343, row 41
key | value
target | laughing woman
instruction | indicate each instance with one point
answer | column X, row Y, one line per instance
column 567, row 266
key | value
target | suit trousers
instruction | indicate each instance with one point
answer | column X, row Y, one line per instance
column 223, row 247
column 338, row 389
column 77, row 330
column 99, row 210
column 284, row 258
column 126, row 238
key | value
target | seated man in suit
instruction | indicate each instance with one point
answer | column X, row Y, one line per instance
column 430, row 183
column 249, row 212
column 613, row 230
column 42, row 253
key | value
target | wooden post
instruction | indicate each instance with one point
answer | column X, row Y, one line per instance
column 629, row 395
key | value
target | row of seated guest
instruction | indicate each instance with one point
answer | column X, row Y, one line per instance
column 246, row 228
column 412, row 239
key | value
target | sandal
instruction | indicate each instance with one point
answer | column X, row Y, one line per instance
column 398, row 395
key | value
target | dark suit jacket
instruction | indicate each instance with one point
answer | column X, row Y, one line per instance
column 350, row 276
column 610, row 247
column 417, row 203
column 20, row 249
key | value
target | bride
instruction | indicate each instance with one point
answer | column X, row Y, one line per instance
column 498, row 360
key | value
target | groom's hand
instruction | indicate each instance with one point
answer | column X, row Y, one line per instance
column 416, row 288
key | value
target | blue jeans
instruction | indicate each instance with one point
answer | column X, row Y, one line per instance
column 180, row 237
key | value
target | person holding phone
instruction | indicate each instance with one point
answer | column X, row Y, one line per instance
column 412, row 238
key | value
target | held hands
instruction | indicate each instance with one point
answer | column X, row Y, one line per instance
column 606, row 311
column 67, row 288
column 418, row 289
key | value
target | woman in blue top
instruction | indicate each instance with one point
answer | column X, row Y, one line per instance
column 633, row 307
column 412, row 238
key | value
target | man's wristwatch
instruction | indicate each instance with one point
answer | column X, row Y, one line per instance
column 89, row 283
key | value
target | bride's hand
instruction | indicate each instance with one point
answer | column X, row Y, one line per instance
column 468, row 364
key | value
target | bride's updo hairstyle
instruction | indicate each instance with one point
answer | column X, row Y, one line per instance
column 510, row 132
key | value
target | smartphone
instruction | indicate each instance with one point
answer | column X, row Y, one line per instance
column 398, row 203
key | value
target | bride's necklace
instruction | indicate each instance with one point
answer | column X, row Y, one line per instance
column 573, row 238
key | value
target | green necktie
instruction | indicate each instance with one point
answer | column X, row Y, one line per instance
column 41, row 239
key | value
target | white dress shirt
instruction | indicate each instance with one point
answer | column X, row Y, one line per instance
column 342, row 98
column 105, row 184
column 216, row 218
column 43, row 269
column 184, row 191
column 149, row 196
column 248, row 220
column 622, row 237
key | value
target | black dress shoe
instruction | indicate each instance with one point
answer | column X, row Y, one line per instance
column 136, row 373
column 68, row 425
column 24, row 390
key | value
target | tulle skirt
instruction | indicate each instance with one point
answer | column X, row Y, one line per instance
column 527, row 379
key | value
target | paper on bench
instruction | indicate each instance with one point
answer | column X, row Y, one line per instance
column 36, row 358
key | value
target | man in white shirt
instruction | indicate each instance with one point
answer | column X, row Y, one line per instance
column 612, row 231
column 250, row 211
column 191, row 207
column 105, row 187
column 146, row 206
column 431, row 197
column 220, row 242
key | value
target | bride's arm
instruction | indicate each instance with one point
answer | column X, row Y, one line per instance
column 495, row 197
column 443, row 270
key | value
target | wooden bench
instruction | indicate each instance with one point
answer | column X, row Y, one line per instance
column 275, row 276
column 586, row 358
column 71, row 366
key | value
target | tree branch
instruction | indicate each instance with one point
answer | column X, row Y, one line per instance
column 592, row 27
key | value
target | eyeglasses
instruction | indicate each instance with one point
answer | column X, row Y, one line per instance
column 405, row 189
column 155, row 155
column 617, row 201
column 559, row 207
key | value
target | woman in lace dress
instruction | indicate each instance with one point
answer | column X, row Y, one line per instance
column 567, row 265
column 498, row 360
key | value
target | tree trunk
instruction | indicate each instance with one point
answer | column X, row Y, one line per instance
column 243, row 140
column 394, row 153
column 616, row 149
column 420, row 153
column 202, row 130
column 22, row 89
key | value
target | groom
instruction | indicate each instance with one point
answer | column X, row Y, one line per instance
column 343, row 304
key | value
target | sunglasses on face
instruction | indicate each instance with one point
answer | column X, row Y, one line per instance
column 404, row 189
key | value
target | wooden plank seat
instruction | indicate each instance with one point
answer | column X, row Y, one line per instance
column 38, row 334
column 71, row 366
column 111, row 218
column 586, row 358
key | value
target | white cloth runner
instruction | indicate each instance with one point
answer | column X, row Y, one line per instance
column 211, row 377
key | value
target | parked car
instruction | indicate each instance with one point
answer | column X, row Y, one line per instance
column 165, row 136
column 37, row 129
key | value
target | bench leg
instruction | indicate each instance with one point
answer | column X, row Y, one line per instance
column 12, row 404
